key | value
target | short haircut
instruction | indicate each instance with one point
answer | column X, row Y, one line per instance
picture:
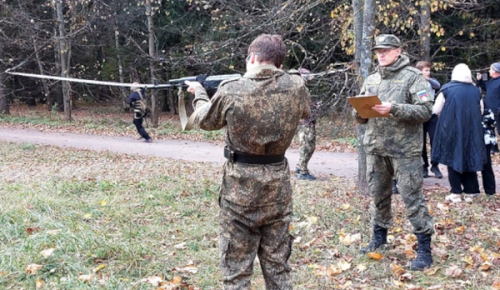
column 270, row 48
column 423, row 64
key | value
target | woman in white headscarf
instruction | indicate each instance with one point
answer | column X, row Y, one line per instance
column 459, row 141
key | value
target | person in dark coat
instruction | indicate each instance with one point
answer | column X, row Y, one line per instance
column 490, row 140
column 459, row 139
column 492, row 89
column 137, row 101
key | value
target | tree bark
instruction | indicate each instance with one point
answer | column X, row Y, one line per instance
column 425, row 31
column 365, row 55
column 152, row 62
column 4, row 105
column 63, row 54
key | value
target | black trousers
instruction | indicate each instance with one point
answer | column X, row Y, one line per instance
column 487, row 174
column 467, row 179
column 140, row 128
column 429, row 128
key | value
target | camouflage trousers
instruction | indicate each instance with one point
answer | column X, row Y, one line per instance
column 249, row 232
column 408, row 172
column 307, row 139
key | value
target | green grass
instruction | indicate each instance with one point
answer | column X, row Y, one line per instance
column 146, row 216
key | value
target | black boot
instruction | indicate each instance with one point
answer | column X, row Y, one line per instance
column 424, row 255
column 425, row 172
column 436, row 171
column 379, row 238
column 395, row 186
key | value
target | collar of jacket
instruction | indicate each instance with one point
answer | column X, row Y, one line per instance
column 254, row 72
column 387, row 71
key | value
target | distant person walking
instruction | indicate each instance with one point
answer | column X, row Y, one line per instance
column 490, row 140
column 430, row 125
column 307, row 136
column 459, row 142
column 137, row 101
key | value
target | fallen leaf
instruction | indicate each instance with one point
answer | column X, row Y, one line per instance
column 361, row 267
column 85, row 278
column 39, row 284
column 187, row 269
column 47, row 253
column 180, row 246
column 33, row 268
column 153, row 280
column 30, row 231
column 348, row 239
column 431, row 271
column 99, row 268
column 454, row 271
column 374, row 255
column 397, row 270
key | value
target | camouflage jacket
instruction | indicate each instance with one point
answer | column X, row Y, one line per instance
column 261, row 112
column 407, row 90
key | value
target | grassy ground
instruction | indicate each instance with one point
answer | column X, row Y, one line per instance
column 75, row 219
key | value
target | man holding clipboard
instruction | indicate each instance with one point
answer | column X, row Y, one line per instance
column 394, row 103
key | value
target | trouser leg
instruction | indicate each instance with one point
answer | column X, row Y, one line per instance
column 410, row 182
column 488, row 176
column 238, row 243
column 470, row 182
column 275, row 249
column 455, row 180
column 140, row 128
column 379, row 174
column 424, row 147
column 307, row 139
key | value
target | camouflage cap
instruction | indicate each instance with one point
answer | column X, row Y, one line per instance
column 386, row 41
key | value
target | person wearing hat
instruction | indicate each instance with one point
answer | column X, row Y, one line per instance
column 137, row 101
column 393, row 145
column 492, row 89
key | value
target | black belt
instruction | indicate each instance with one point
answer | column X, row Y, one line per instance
column 251, row 159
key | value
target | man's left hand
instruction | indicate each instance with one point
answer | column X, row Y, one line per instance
column 384, row 108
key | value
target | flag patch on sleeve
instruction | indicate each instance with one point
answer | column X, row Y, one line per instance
column 423, row 95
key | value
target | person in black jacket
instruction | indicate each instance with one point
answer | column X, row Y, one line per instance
column 492, row 89
column 459, row 140
column 137, row 101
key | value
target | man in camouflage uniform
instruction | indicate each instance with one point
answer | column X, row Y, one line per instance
column 393, row 145
column 307, row 141
column 260, row 111
column 137, row 101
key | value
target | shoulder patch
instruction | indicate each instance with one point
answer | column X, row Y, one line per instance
column 423, row 95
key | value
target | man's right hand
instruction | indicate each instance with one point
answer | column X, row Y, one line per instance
column 192, row 86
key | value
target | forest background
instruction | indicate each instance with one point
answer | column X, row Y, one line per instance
column 73, row 219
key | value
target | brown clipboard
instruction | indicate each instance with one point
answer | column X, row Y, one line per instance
column 364, row 104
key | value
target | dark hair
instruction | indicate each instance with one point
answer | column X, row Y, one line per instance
column 270, row 48
column 423, row 64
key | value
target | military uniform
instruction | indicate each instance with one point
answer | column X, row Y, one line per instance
column 307, row 140
column 393, row 147
column 260, row 111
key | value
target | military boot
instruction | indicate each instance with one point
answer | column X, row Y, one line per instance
column 425, row 172
column 379, row 238
column 436, row 171
column 424, row 255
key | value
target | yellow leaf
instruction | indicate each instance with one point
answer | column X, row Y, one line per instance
column 361, row 267
column 443, row 48
column 103, row 203
column 468, row 260
column 397, row 270
column 332, row 270
column 346, row 206
column 374, row 255
column 231, row 66
column 460, row 33
column 87, row 216
column 431, row 271
column 39, row 284
column 472, row 34
column 486, row 266
column 99, row 268
column 460, row 230
column 344, row 265
column 177, row 280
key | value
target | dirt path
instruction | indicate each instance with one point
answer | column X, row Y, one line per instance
column 322, row 164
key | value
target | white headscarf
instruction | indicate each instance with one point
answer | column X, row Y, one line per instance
column 461, row 73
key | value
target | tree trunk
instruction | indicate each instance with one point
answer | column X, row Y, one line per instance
column 123, row 93
column 368, row 28
column 357, row 8
column 63, row 54
column 425, row 31
column 46, row 91
column 4, row 105
column 152, row 63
